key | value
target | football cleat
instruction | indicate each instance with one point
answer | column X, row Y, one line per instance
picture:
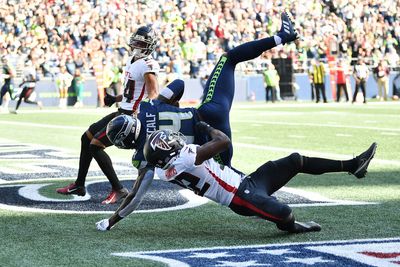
column 363, row 161
column 303, row 227
column 115, row 196
column 287, row 33
column 72, row 189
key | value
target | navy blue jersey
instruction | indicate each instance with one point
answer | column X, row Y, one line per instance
column 155, row 115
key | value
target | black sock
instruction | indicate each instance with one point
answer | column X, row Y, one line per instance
column 251, row 50
column 84, row 160
column 106, row 166
column 321, row 165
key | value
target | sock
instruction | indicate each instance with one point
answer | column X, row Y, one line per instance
column 106, row 166
column 320, row 165
column 251, row 50
column 84, row 161
column 278, row 40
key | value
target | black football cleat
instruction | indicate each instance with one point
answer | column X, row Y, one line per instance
column 304, row 227
column 72, row 189
column 363, row 161
column 287, row 32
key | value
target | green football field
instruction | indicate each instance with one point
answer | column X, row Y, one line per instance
column 261, row 132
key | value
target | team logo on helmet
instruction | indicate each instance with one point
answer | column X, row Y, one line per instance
column 160, row 141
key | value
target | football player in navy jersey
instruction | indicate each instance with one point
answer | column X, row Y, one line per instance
column 128, row 132
column 140, row 82
column 193, row 167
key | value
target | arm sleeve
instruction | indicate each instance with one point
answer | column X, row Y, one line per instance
column 136, row 196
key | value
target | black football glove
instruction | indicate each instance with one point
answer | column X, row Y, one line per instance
column 109, row 100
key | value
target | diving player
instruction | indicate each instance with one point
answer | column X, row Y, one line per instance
column 192, row 166
column 127, row 132
column 140, row 82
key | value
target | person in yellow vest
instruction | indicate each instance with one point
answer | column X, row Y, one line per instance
column 319, row 80
column 271, row 82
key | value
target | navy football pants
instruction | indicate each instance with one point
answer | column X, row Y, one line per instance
column 220, row 88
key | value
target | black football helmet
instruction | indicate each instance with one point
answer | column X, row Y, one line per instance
column 162, row 147
column 123, row 131
column 143, row 42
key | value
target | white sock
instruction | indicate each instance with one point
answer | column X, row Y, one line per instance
column 277, row 39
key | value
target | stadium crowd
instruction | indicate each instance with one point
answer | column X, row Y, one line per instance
column 54, row 33
column 85, row 36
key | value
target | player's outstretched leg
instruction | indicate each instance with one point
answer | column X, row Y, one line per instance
column 254, row 49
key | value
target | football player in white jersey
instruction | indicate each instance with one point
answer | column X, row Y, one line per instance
column 140, row 83
column 193, row 167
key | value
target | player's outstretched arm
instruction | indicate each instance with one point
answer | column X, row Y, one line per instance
column 151, row 82
column 132, row 201
column 219, row 142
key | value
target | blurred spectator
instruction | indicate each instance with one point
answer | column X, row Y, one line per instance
column 115, row 86
column 271, row 82
column 310, row 73
column 78, row 87
column 63, row 81
column 361, row 73
column 8, row 74
column 27, row 86
column 381, row 73
column 396, row 87
column 318, row 74
column 341, row 80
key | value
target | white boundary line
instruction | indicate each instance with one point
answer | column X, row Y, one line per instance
column 318, row 125
column 311, row 153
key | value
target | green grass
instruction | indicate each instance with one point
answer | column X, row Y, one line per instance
column 42, row 239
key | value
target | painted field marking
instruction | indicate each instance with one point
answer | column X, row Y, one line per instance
column 318, row 125
column 369, row 252
column 311, row 153
column 296, row 136
column 344, row 135
column 389, row 133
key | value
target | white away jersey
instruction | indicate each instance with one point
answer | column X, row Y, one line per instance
column 210, row 179
column 137, row 90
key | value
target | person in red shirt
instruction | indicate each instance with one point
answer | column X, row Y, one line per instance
column 341, row 79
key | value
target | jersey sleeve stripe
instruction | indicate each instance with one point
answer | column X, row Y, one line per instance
column 135, row 106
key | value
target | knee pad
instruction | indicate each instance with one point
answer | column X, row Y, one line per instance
column 94, row 149
column 85, row 141
column 297, row 159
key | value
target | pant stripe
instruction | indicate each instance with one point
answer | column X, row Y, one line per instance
column 241, row 202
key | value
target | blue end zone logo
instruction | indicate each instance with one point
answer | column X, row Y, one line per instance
column 374, row 252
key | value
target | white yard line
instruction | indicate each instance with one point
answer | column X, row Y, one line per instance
column 318, row 125
column 370, row 105
column 43, row 125
column 311, row 153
